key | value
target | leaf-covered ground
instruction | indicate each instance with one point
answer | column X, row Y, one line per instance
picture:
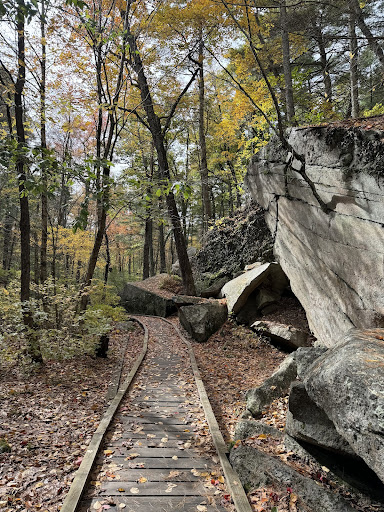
column 48, row 418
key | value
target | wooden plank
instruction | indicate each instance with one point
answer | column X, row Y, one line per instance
column 170, row 435
column 157, row 463
column 144, row 451
column 159, row 504
column 155, row 489
column 148, row 427
column 82, row 474
column 157, row 475
column 155, row 420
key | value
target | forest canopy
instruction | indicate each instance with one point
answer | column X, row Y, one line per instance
column 126, row 127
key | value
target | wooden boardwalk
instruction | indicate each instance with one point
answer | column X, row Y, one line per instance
column 150, row 461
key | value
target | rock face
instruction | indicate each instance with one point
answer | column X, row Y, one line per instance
column 307, row 422
column 284, row 334
column 347, row 382
column 333, row 260
column 257, row 469
column 277, row 384
column 140, row 301
column 234, row 242
column 255, row 288
column 203, row 320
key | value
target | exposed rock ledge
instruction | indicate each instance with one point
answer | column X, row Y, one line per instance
column 334, row 261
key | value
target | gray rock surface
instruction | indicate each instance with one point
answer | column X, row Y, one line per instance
column 215, row 288
column 273, row 387
column 305, row 357
column 257, row 469
column 185, row 300
column 234, row 242
column 203, row 320
column 139, row 301
column 252, row 428
column 257, row 302
column 333, row 261
column 238, row 290
column 307, row 422
column 347, row 382
column 284, row 334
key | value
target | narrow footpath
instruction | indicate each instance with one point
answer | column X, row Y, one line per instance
column 158, row 453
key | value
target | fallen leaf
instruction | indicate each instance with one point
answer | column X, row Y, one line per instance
column 142, row 480
column 121, row 489
column 134, row 490
column 201, row 508
column 108, row 452
column 97, row 505
column 175, row 457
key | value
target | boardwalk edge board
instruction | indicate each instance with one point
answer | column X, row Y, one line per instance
column 77, row 488
column 232, row 478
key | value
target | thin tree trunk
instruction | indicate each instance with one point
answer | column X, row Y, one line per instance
column 287, row 63
column 371, row 40
column 43, row 141
column 163, row 262
column 318, row 36
column 25, row 225
column 7, row 239
column 353, row 65
column 207, row 211
column 147, row 247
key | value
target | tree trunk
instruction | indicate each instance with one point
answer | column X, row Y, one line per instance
column 371, row 40
column 207, row 211
column 25, row 225
column 318, row 36
column 148, row 247
column 353, row 66
column 163, row 262
column 287, row 63
column 7, row 239
column 159, row 143
column 43, row 141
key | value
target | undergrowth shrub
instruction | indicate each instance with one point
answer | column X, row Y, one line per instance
column 62, row 333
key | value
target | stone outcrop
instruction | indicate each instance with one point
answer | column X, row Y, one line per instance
column 257, row 469
column 347, row 382
column 273, row 387
column 204, row 319
column 232, row 243
column 307, row 422
column 333, row 259
column 254, row 289
column 285, row 335
column 137, row 300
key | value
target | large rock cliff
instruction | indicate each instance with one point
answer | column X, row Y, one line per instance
column 334, row 259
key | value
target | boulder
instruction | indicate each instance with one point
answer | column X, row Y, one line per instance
column 185, row 300
column 305, row 357
column 204, row 319
column 285, row 335
column 307, row 422
column 257, row 301
column 215, row 288
column 239, row 289
column 253, row 428
column 347, row 382
column 274, row 387
column 257, row 469
column 137, row 300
